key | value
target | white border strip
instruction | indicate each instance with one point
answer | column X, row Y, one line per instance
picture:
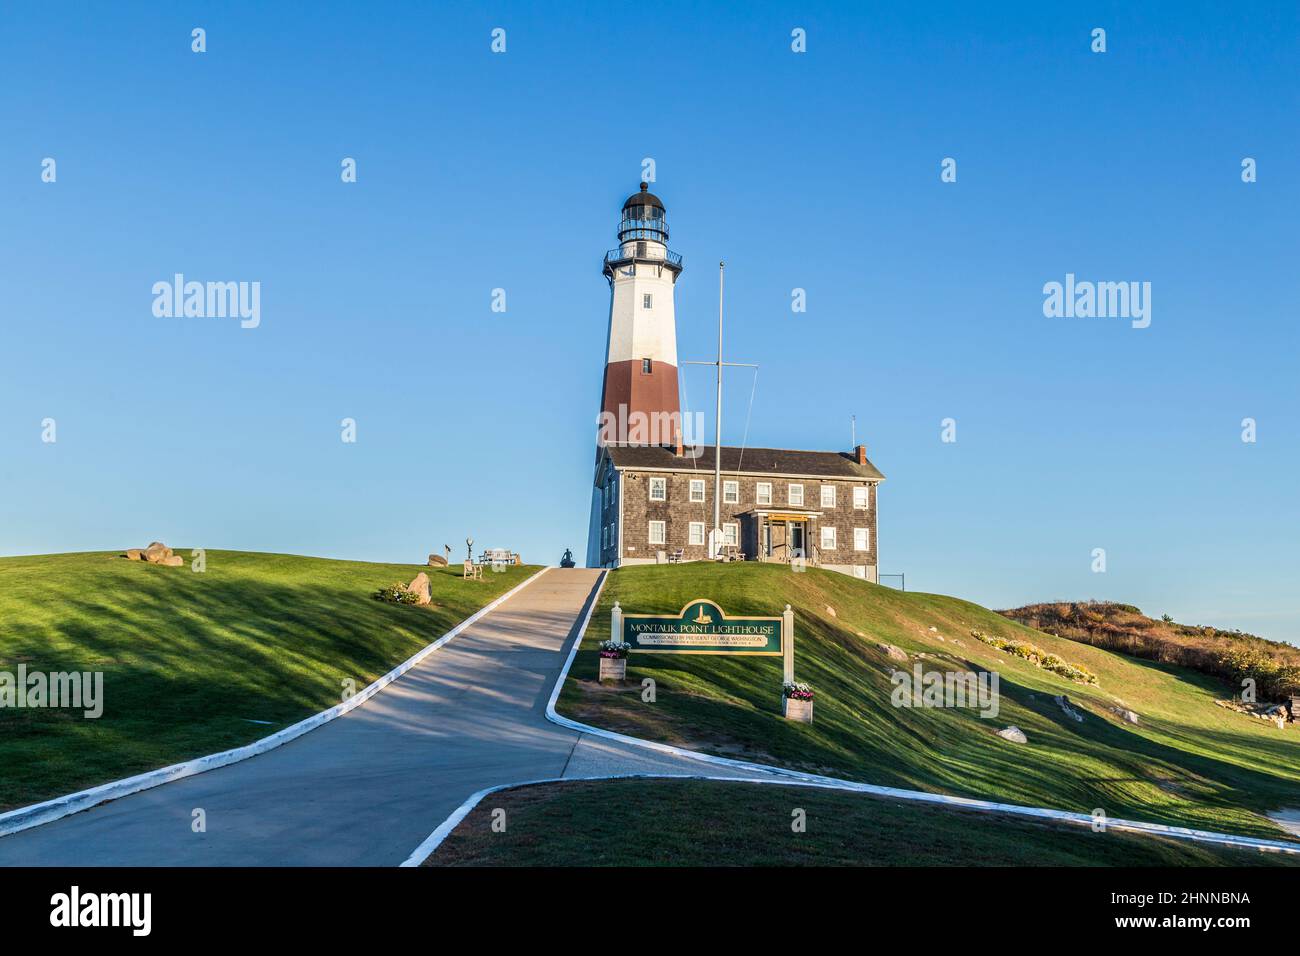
column 38, row 814
column 808, row 779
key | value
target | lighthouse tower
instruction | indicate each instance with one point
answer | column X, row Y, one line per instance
column 639, row 401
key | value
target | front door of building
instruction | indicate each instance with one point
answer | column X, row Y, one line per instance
column 796, row 540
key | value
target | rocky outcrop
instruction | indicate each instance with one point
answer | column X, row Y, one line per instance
column 1064, row 703
column 895, row 653
column 156, row 553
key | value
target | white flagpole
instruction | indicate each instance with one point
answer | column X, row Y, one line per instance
column 717, row 435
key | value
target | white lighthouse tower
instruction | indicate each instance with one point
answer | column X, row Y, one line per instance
column 638, row 404
column 639, row 397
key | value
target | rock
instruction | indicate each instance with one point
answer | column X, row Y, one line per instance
column 437, row 561
column 420, row 585
column 157, row 552
column 172, row 561
column 831, row 611
column 896, row 653
column 1013, row 734
column 1064, row 703
column 1126, row 714
column 935, row 629
column 134, row 554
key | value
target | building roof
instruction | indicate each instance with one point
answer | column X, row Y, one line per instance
column 746, row 461
column 643, row 198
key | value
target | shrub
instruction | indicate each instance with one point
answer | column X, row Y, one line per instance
column 397, row 594
column 1038, row 657
column 1230, row 655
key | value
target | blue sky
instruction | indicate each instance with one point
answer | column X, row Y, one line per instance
column 817, row 170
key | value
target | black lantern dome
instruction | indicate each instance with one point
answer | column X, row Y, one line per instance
column 643, row 217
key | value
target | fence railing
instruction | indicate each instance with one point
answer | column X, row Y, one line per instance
column 616, row 256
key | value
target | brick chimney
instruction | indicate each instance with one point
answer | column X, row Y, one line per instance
column 860, row 453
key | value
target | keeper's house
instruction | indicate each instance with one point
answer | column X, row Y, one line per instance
column 656, row 506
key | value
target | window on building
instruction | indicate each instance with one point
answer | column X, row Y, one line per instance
column 828, row 539
column 647, row 366
column 604, row 537
column 763, row 493
column 697, row 489
column 731, row 534
column 647, row 301
column 828, row 496
column 861, row 497
column 658, row 489
column 697, row 533
column 861, row 540
column 794, row 494
column 657, row 532
column 731, row 492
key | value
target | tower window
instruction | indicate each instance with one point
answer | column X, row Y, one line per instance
column 647, row 301
column 646, row 365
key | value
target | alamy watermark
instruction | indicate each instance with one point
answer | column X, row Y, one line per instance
column 921, row 688
column 209, row 300
column 1102, row 300
column 77, row 690
column 652, row 428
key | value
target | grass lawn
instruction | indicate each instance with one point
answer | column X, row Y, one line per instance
column 1186, row 762
column 197, row 663
column 708, row 823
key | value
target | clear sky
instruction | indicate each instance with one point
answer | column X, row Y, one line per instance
column 816, row 170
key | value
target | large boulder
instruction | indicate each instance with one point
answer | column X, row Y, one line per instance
column 895, row 653
column 157, row 553
column 134, row 554
column 172, row 561
column 1013, row 734
column 437, row 561
column 420, row 585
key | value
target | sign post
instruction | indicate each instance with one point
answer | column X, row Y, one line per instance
column 787, row 645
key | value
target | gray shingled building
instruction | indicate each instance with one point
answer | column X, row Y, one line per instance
column 656, row 506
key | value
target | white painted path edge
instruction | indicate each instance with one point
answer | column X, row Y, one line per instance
column 41, row 813
column 795, row 778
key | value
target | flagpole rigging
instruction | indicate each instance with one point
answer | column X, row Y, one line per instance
column 715, row 536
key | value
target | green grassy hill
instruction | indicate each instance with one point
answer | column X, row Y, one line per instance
column 1230, row 656
column 745, row 824
column 196, row 663
column 1187, row 761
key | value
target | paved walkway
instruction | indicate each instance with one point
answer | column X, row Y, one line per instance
column 368, row 787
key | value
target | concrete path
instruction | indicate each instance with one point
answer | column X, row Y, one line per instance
column 367, row 788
